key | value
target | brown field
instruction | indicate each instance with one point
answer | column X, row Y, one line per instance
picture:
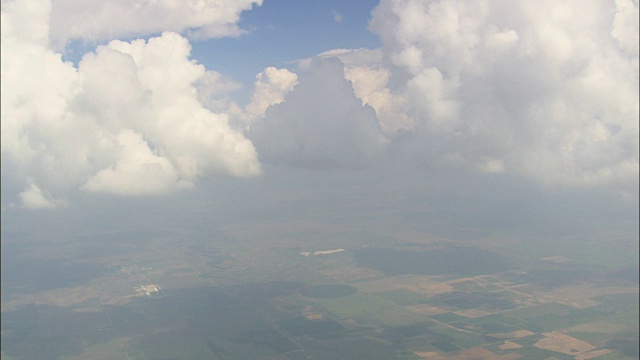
column 68, row 296
column 515, row 334
column 426, row 354
column 310, row 314
column 579, row 296
column 425, row 309
column 477, row 353
column 15, row 302
column 508, row 345
column 602, row 327
column 408, row 283
column 565, row 344
column 474, row 313
column 431, row 289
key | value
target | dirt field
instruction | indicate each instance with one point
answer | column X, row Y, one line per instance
column 508, row 345
column 431, row 289
column 477, row 354
column 425, row 309
column 406, row 282
column 473, row 313
column 565, row 344
column 426, row 354
column 515, row 334
column 602, row 327
column 578, row 296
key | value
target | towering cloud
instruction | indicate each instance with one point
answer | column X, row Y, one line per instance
column 370, row 78
column 321, row 123
column 126, row 121
column 544, row 88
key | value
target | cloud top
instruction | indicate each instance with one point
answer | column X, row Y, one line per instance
column 321, row 124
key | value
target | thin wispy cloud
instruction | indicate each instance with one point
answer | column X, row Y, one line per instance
column 337, row 17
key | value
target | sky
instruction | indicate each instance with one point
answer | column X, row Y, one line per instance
column 494, row 105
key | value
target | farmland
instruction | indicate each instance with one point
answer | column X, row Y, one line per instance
column 434, row 298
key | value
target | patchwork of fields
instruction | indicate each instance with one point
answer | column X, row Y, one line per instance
column 435, row 299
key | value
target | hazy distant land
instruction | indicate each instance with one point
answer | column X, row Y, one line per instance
column 361, row 299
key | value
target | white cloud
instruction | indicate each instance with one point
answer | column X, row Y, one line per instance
column 128, row 120
column 33, row 198
column 625, row 25
column 349, row 57
column 270, row 88
column 337, row 17
column 490, row 165
column 370, row 78
column 370, row 85
column 434, row 99
column 544, row 88
column 138, row 170
column 106, row 20
column 198, row 140
column 214, row 89
column 321, row 124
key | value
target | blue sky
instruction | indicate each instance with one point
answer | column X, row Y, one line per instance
column 281, row 32
column 278, row 33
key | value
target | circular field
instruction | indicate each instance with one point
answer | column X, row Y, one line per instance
column 328, row 291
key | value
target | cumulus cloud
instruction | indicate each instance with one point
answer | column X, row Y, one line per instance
column 270, row 88
column 544, row 88
column 321, row 123
column 128, row 120
column 138, row 170
column 33, row 198
column 370, row 85
column 370, row 78
column 105, row 20
column 214, row 89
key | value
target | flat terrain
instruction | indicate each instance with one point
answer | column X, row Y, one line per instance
column 250, row 293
